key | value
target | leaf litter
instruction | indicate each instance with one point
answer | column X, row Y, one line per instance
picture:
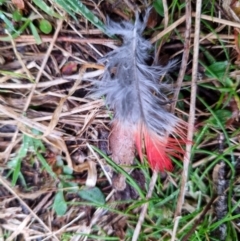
column 63, row 192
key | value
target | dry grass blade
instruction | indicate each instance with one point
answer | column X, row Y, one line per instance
column 144, row 207
column 187, row 157
column 217, row 20
column 166, row 15
column 168, row 29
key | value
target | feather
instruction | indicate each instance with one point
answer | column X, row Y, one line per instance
column 132, row 89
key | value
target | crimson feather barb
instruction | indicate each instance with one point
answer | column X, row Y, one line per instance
column 132, row 89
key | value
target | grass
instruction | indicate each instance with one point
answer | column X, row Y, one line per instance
column 56, row 175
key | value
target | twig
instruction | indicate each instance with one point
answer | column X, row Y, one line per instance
column 187, row 156
column 144, row 207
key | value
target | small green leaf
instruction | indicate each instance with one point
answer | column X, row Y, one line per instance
column 59, row 204
column 46, row 8
column 45, row 26
column 35, row 33
column 158, row 5
column 219, row 70
column 17, row 15
column 93, row 195
column 67, row 170
column 60, row 162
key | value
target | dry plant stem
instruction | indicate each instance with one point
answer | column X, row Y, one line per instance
column 45, row 39
column 184, row 63
column 166, row 17
column 187, row 156
column 218, row 20
column 48, row 84
column 5, row 184
column 144, row 207
column 182, row 19
column 168, row 29
column 192, row 109
column 21, row 61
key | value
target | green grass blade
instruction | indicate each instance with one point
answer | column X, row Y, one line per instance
column 35, row 33
column 15, row 163
column 13, row 74
column 15, row 35
column 8, row 23
column 77, row 6
column 48, row 10
column 66, row 7
column 45, row 165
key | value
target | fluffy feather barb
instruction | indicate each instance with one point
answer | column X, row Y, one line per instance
column 133, row 91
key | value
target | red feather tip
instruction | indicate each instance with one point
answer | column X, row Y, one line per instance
column 159, row 148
